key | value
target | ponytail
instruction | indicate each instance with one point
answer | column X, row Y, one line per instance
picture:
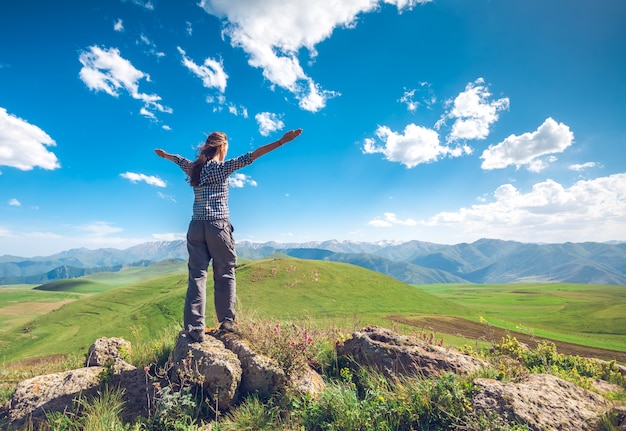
column 213, row 142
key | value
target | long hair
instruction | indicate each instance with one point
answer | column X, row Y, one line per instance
column 213, row 142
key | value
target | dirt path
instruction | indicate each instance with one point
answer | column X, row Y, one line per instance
column 479, row 331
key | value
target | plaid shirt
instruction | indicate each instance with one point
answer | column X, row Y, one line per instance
column 211, row 195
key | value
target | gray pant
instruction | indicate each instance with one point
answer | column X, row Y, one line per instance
column 206, row 241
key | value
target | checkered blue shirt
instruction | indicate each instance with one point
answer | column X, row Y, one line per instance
column 211, row 195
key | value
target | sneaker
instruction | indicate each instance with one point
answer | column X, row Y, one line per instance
column 228, row 326
column 196, row 335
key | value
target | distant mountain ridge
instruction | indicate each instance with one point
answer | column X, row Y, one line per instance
column 413, row 262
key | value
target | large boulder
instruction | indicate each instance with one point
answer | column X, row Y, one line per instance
column 208, row 364
column 106, row 365
column 35, row 397
column 261, row 375
column 393, row 354
column 543, row 402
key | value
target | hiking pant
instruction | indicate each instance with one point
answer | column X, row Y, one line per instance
column 206, row 241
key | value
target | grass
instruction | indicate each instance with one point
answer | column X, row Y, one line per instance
column 295, row 311
column 592, row 315
column 355, row 398
column 288, row 289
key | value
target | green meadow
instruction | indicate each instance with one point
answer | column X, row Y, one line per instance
column 586, row 314
column 67, row 316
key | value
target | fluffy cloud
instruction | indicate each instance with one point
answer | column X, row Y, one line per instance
column 527, row 149
column 24, row 145
column 106, row 70
column 239, row 180
column 272, row 32
column 211, row 72
column 268, row 123
column 473, row 112
column 148, row 179
column 582, row 166
column 15, row 203
column 389, row 220
column 548, row 212
column 416, row 145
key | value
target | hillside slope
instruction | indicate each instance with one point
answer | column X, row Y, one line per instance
column 280, row 289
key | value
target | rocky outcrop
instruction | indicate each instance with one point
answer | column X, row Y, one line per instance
column 210, row 365
column 33, row 398
column 393, row 354
column 224, row 365
column 539, row 401
column 261, row 375
column 105, row 365
column 542, row 402
column 227, row 367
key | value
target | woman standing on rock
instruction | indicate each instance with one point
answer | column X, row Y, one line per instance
column 210, row 234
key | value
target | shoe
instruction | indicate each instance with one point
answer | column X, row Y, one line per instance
column 228, row 326
column 196, row 335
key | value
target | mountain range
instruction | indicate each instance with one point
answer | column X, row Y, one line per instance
column 413, row 262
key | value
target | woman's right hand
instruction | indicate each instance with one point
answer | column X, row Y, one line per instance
column 290, row 136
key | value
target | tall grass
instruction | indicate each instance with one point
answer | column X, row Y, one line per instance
column 355, row 398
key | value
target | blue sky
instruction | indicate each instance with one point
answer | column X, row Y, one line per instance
column 444, row 121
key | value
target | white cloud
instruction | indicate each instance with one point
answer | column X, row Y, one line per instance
column 98, row 228
column 152, row 48
column 426, row 97
column 268, row 122
column 118, row 25
column 146, row 4
column 239, row 180
column 527, row 149
column 582, row 167
column 148, row 179
column 389, row 220
column 92, row 235
column 211, row 72
column 15, row 203
column 473, row 112
column 272, row 32
column 106, row 70
column 167, row 197
column 238, row 110
column 416, row 145
column 589, row 210
column 24, row 145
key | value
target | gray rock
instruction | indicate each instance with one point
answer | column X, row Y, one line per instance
column 33, row 398
column 107, row 350
column 210, row 365
column 260, row 374
column 393, row 354
column 542, row 402
column 307, row 382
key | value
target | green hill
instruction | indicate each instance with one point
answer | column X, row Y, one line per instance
column 279, row 288
column 77, row 285
column 102, row 281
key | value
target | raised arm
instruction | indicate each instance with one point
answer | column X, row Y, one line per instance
column 289, row 136
column 159, row 152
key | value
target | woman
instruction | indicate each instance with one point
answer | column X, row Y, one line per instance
column 210, row 234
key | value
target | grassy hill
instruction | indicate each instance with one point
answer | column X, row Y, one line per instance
column 284, row 289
